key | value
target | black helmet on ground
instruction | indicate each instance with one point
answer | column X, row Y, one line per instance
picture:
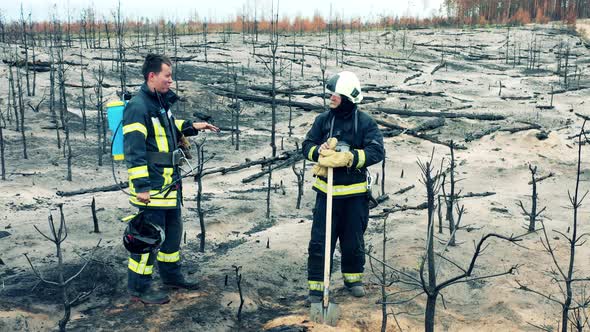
column 141, row 236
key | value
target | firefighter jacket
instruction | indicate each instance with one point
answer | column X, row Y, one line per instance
column 149, row 129
column 358, row 130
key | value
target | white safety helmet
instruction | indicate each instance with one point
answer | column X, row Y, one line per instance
column 347, row 84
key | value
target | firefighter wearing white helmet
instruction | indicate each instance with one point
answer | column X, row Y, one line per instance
column 348, row 141
column 346, row 84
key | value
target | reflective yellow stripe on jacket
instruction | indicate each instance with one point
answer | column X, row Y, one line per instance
column 341, row 190
column 311, row 151
column 138, row 172
column 157, row 198
column 362, row 158
column 179, row 124
column 136, row 126
column 160, row 132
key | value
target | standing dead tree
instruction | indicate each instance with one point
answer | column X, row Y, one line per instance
column 65, row 115
column 300, row 174
column 2, row 162
column 239, row 284
column 274, row 68
column 52, row 103
column 94, row 217
column 384, row 279
column 83, row 97
column 58, row 237
column 101, row 123
column 200, row 146
column 34, row 58
column 452, row 198
column 430, row 267
column 21, row 107
column 533, row 215
column 25, row 46
column 268, row 189
column 323, row 65
column 566, row 278
column 12, row 97
column 205, row 44
column 120, row 30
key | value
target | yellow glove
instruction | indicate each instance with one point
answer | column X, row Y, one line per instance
column 331, row 158
column 318, row 170
column 332, row 142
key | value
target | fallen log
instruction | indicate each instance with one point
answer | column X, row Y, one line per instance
column 430, row 124
column 268, row 90
column 117, row 59
column 439, row 66
column 450, row 115
column 412, row 77
column 518, row 129
column 268, row 100
column 390, row 89
column 403, row 190
column 249, row 163
column 516, row 97
column 115, row 187
column 412, row 132
column 400, row 208
column 477, row 135
column 560, row 91
column 286, row 163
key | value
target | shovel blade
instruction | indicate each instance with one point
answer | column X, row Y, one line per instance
column 319, row 314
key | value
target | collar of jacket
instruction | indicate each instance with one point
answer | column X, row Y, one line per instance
column 165, row 100
column 344, row 111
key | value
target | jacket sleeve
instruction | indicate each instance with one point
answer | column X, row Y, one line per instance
column 185, row 127
column 134, row 141
column 372, row 151
column 311, row 145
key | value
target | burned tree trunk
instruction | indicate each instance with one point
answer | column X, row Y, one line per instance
column 58, row 237
column 533, row 215
column 13, row 94
column 21, row 107
column 94, row 217
column 52, row 96
column 199, row 179
column 24, row 40
column 83, row 101
column 2, row 163
column 65, row 114
column 300, row 181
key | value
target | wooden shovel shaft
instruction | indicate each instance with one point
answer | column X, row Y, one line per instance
column 328, row 242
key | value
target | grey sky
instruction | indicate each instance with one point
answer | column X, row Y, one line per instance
column 222, row 9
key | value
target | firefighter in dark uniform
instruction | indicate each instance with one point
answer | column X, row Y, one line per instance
column 349, row 141
column 151, row 141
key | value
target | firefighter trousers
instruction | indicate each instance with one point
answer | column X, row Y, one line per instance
column 350, row 217
column 140, row 267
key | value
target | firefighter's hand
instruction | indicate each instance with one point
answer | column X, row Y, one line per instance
column 205, row 126
column 331, row 158
column 318, row 170
column 330, row 144
column 144, row 197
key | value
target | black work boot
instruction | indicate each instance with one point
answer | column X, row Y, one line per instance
column 149, row 296
column 357, row 290
column 181, row 283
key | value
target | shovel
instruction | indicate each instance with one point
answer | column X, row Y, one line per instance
column 326, row 312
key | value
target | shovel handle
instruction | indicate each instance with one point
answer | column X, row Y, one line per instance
column 328, row 241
